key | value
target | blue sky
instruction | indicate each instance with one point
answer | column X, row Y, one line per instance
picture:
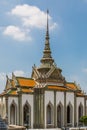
column 22, row 37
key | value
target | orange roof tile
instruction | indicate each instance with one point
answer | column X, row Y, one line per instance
column 13, row 92
column 57, row 88
column 26, row 82
column 27, row 90
column 71, row 86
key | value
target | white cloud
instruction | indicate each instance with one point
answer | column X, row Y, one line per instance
column 32, row 16
column 2, row 76
column 16, row 33
column 19, row 73
column 2, row 81
column 16, row 73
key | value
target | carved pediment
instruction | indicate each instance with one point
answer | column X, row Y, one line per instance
column 56, row 75
column 35, row 73
column 50, row 71
column 15, row 79
column 8, row 85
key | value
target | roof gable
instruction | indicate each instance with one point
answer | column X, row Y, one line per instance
column 55, row 74
column 8, row 83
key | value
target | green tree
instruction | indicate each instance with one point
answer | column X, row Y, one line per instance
column 83, row 119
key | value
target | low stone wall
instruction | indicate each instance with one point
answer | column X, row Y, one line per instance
column 46, row 129
column 15, row 127
column 78, row 128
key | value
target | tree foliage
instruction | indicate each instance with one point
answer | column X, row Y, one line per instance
column 83, row 119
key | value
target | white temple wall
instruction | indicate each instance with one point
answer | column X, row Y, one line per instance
column 10, row 101
column 49, row 98
column 86, row 107
column 70, row 100
column 0, row 106
column 60, row 99
column 29, row 99
column 79, row 100
column 4, row 107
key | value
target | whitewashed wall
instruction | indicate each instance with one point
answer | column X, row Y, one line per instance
column 0, row 106
column 29, row 99
column 60, row 99
column 70, row 99
column 4, row 107
column 79, row 100
column 49, row 97
column 86, row 107
column 10, row 100
column 86, row 102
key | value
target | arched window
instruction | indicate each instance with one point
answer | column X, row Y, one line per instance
column 59, row 115
column 69, row 114
column 80, row 111
column 13, row 113
column 27, row 114
column 48, row 114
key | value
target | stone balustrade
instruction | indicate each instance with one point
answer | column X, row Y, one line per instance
column 78, row 128
column 15, row 127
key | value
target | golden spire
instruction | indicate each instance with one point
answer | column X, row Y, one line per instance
column 47, row 31
column 47, row 59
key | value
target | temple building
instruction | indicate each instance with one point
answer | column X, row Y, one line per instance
column 46, row 99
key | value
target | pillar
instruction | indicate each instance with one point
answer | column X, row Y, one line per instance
column 65, row 112
column 38, row 108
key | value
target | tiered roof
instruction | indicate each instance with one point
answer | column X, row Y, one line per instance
column 27, row 85
column 18, row 84
column 47, row 75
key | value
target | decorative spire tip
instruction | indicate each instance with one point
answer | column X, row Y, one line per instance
column 47, row 11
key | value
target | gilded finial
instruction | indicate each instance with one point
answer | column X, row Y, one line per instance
column 47, row 58
column 47, row 33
